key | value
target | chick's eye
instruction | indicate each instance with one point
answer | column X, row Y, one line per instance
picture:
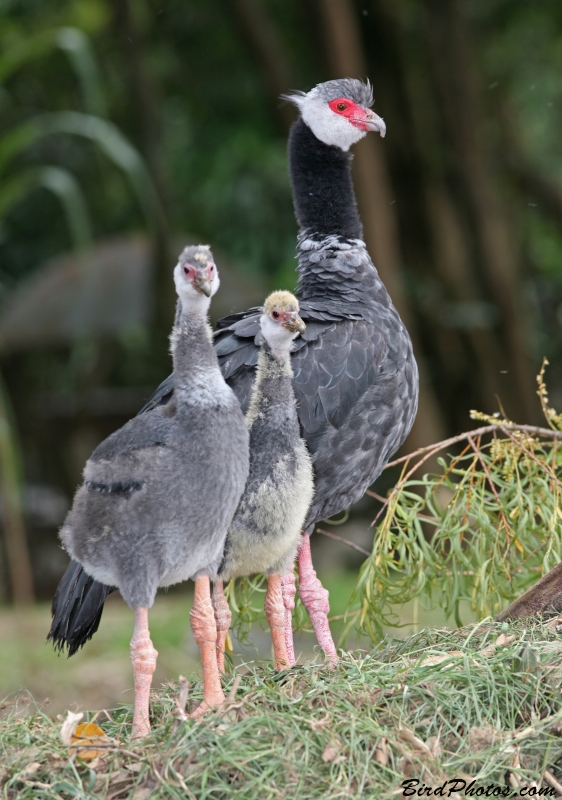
column 275, row 314
column 186, row 270
column 341, row 106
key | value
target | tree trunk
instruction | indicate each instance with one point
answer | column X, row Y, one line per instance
column 545, row 597
column 375, row 197
column 147, row 112
column 269, row 54
column 452, row 266
column 495, row 239
column 19, row 563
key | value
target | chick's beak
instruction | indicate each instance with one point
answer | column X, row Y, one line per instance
column 374, row 123
column 203, row 284
column 295, row 324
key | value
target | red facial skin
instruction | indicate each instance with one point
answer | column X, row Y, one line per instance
column 191, row 272
column 282, row 316
column 354, row 113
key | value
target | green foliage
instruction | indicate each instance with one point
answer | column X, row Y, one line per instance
column 18, row 182
column 482, row 702
column 481, row 530
column 61, row 183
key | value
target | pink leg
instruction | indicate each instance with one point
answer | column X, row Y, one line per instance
column 143, row 656
column 223, row 618
column 315, row 600
column 205, row 634
column 289, row 591
column 275, row 615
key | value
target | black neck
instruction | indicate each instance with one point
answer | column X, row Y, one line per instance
column 323, row 193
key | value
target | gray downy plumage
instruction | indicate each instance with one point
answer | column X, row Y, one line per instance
column 159, row 494
column 265, row 532
column 355, row 375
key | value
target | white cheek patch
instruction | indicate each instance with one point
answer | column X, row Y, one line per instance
column 277, row 337
column 329, row 127
column 191, row 300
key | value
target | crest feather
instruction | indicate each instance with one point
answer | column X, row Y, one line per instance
column 281, row 299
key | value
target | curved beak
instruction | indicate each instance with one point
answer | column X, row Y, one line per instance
column 295, row 324
column 375, row 123
column 203, row 284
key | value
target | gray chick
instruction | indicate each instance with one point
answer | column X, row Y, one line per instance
column 159, row 494
column 266, row 529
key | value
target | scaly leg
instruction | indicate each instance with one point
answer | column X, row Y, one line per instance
column 143, row 657
column 315, row 600
column 205, row 634
column 275, row 615
column 289, row 591
column 223, row 618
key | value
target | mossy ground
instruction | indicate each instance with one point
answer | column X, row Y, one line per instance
column 439, row 705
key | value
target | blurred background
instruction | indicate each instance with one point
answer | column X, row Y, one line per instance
column 129, row 128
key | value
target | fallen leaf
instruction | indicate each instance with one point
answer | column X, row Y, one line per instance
column 553, row 625
column 553, row 782
column 184, row 692
column 119, row 788
column 319, row 724
column 410, row 737
column 514, row 779
column 69, row 726
column 438, row 658
column 503, row 640
column 434, row 743
column 482, row 738
column 331, row 751
column 88, row 733
column 142, row 793
column 381, row 752
column 29, row 770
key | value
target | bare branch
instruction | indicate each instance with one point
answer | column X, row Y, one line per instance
column 344, row 541
column 462, row 437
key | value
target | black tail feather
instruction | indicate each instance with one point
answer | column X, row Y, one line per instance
column 76, row 610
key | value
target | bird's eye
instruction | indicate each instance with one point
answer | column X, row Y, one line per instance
column 212, row 267
column 341, row 106
column 275, row 314
column 186, row 270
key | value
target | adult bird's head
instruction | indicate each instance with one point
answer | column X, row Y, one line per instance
column 338, row 112
column 280, row 322
column 196, row 277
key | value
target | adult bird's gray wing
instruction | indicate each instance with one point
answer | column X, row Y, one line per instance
column 161, row 396
column 334, row 362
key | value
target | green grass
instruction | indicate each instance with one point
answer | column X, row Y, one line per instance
column 439, row 705
column 100, row 675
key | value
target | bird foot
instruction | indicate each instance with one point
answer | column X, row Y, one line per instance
column 275, row 615
column 288, row 590
column 143, row 659
column 223, row 619
column 205, row 634
column 206, row 706
column 140, row 729
column 315, row 599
